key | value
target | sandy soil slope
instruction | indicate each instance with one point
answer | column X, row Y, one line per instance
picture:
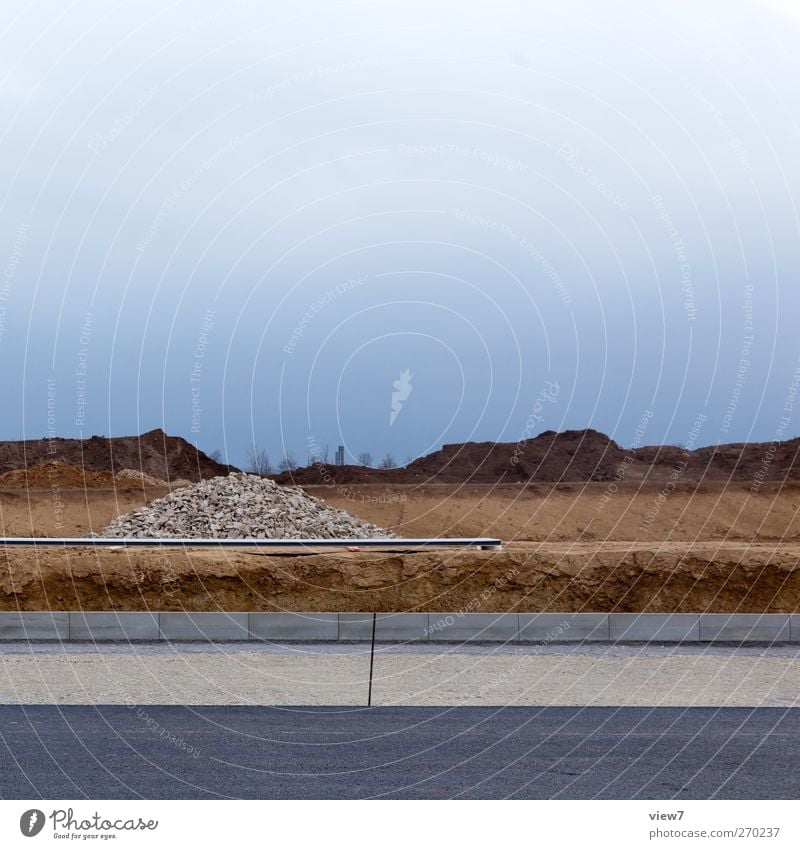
column 569, row 548
column 625, row 577
column 546, row 512
column 61, row 512
column 593, row 511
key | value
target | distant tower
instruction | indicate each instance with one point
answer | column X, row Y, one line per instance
column 340, row 455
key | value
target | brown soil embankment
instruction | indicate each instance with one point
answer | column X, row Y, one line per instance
column 614, row 577
column 570, row 547
column 575, row 456
column 154, row 453
column 55, row 475
column 585, row 512
column 545, row 513
column 58, row 512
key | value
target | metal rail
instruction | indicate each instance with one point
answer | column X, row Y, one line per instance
column 229, row 542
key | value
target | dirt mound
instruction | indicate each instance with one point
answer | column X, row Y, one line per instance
column 321, row 474
column 55, row 474
column 154, row 453
column 574, row 456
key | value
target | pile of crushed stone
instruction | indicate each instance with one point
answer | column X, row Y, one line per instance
column 240, row 506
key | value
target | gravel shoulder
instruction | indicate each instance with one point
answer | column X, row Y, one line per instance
column 404, row 675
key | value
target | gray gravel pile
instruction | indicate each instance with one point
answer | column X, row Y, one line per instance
column 240, row 506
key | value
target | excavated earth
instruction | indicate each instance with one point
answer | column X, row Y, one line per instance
column 569, row 547
column 624, row 577
column 154, row 453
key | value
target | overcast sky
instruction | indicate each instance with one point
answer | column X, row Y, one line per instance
column 396, row 225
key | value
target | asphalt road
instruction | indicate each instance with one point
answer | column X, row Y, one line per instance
column 155, row 752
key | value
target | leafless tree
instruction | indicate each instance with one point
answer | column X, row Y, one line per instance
column 258, row 461
column 388, row 462
column 365, row 459
column 288, row 463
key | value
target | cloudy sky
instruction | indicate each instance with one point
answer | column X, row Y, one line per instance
column 395, row 225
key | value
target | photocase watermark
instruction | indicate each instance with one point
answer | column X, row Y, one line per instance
column 402, row 392
column 316, row 307
column 734, row 142
column 570, row 154
column 170, row 581
column 158, row 729
column 677, row 473
column 517, row 670
column 98, row 143
column 744, row 361
column 760, row 477
column 687, row 286
column 167, row 736
column 525, row 245
column 195, row 379
column 547, row 395
column 172, row 200
column 32, row 822
column 475, row 604
column 52, row 449
column 94, row 826
column 626, row 462
column 82, row 369
column 488, row 157
column 10, row 272
column 372, row 498
column 321, row 72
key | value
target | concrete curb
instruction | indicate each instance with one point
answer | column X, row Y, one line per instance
column 543, row 628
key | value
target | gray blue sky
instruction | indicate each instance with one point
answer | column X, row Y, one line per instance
column 245, row 221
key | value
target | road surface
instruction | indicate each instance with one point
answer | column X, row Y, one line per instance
column 231, row 751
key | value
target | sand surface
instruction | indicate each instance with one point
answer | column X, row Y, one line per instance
column 310, row 675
